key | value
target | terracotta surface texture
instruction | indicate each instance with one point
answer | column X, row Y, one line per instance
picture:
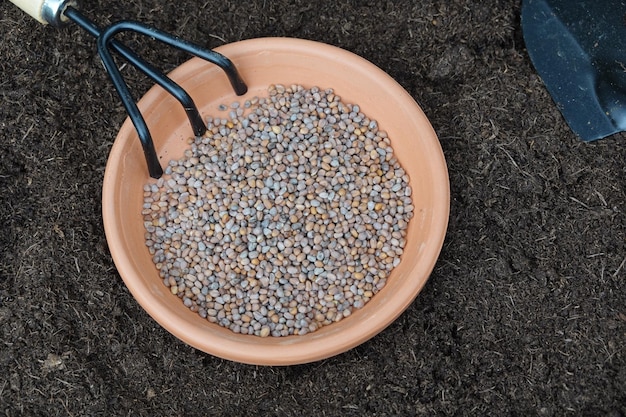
column 263, row 62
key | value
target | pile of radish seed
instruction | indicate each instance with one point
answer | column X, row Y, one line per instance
column 285, row 217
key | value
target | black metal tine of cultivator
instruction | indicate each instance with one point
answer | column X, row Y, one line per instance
column 105, row 41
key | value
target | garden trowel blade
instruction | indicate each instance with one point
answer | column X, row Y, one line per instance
column 579, row 49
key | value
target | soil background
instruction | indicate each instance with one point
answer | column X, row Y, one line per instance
column 524, row 313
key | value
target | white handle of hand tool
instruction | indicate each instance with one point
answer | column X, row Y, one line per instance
column 45, row 11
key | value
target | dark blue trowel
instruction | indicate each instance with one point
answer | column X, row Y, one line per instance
column 579, row 49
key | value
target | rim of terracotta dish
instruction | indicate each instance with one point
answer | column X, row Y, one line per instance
column 430, row 220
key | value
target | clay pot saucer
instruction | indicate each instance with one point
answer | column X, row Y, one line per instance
column 262, row 62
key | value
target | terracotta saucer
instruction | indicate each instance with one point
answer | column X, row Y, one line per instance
column 262, row 62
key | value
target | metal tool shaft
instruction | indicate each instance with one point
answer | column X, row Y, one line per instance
column 104, row 38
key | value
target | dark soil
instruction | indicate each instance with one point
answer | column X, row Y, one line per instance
column 525, row 311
